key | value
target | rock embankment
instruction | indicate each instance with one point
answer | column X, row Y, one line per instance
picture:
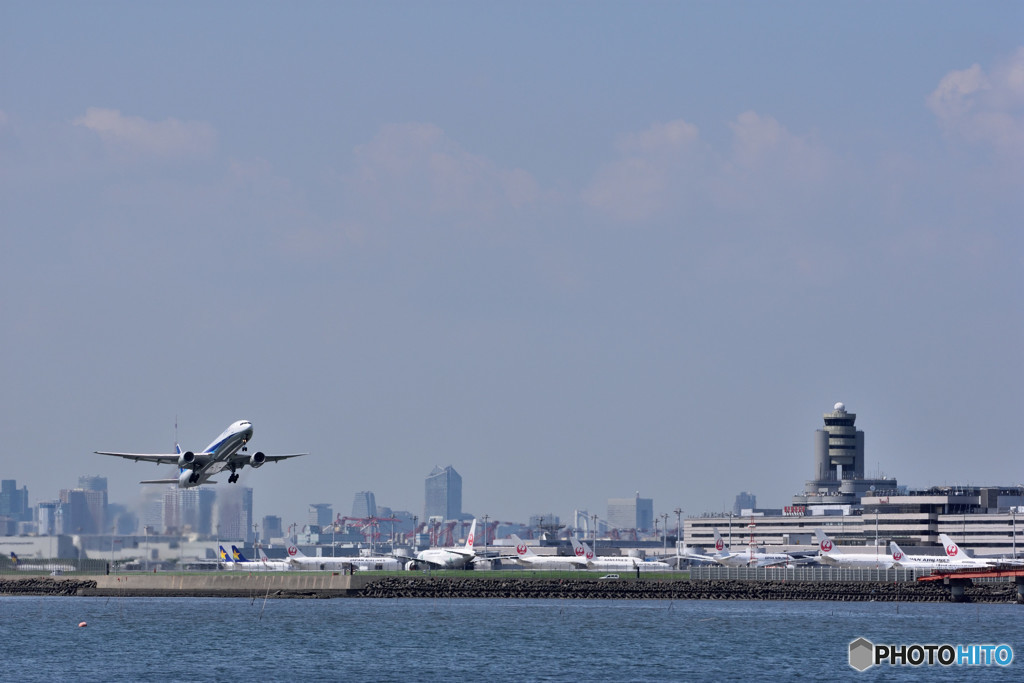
column 43, row 585
column 852, row 591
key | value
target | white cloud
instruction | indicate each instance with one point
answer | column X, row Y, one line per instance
column 984, row 107
column 415, row 166
column 167, row 138
column 667, row 167
column 644, row 181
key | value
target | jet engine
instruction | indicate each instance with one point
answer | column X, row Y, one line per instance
column 257, row 459
column 410, row 566
column 185, row 479
column 186, row 460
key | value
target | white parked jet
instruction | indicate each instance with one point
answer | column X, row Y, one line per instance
column 748, row 558
column 223, row 454
column 525, row 556
column 237, row 561
column 953, row 558
column 830, row 554
column 612, row 563
column 298, row 560
column 448, row 558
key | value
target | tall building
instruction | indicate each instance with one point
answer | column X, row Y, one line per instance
column 443, row 494
column 631, row 513
column 839, row 480
column 839, row 447
column 321, row 515
column 234, row 514
column 14, row 501
column 745, row 500
column 364, row 505
column 189, row 510
column 272, row 528
column 75, row 513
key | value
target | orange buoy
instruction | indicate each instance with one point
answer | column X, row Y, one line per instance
column 82, row 624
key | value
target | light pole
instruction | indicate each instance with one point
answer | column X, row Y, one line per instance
column 664, row 533
column 485, row 534
column 594, row 517
column 679, row 546
column 1013, row 520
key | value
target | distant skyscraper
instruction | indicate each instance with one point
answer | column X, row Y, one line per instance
column 321, row 514
column 272, row 528
column 631, row 513
column 744, row 501
column 443, row 494
column 364, row 505
column 234, row 514
column 76, row 512
column 14, row 501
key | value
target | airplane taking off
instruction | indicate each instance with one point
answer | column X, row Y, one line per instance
column 612, row 563
column 227, row 452
column 831, row 555
column 448, row 558
column 525, row 556
column 299, row 560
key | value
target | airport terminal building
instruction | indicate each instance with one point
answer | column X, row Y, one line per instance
column 859, row 511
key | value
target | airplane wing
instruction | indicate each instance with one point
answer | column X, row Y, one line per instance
column 244, row 458
column 158, row 458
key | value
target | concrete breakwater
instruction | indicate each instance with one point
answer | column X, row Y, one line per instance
column 332, row 585
column 852, row 591
column 44, row 585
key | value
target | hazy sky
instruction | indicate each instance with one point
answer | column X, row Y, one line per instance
column 575, row 250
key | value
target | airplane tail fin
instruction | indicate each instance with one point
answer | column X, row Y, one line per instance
column 263, row 555
column 897, row 554
column 237, row 554
column 825, row 543
column 224, row 555
column 719, row 543
column 952, row 549
column 471, row 539
column 293, row 551
column 522, row 550
column 14, row 558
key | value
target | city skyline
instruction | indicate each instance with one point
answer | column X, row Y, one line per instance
column 575, row 251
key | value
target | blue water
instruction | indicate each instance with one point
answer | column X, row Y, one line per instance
column 189, row 639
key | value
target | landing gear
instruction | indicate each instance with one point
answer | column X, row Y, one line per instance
column 233, row 477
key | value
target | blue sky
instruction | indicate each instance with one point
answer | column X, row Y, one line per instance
column 575, row 251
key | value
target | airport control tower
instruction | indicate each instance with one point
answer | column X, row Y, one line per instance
column 839, row 465
column 839, row 447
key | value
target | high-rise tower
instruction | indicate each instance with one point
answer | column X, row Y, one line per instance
column 443, row 494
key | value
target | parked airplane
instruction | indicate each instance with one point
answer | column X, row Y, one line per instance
column 613, row 563
column 20, row 565
column 298, row 560
column 447, row 558
column 748, row 558
column 831, row 555
column 223, row 454
column 525, row 556
column 236, row 561
column 954, row 558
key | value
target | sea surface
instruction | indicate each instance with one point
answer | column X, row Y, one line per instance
column 213, row 639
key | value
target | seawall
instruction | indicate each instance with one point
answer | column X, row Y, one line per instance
column 330, row 585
